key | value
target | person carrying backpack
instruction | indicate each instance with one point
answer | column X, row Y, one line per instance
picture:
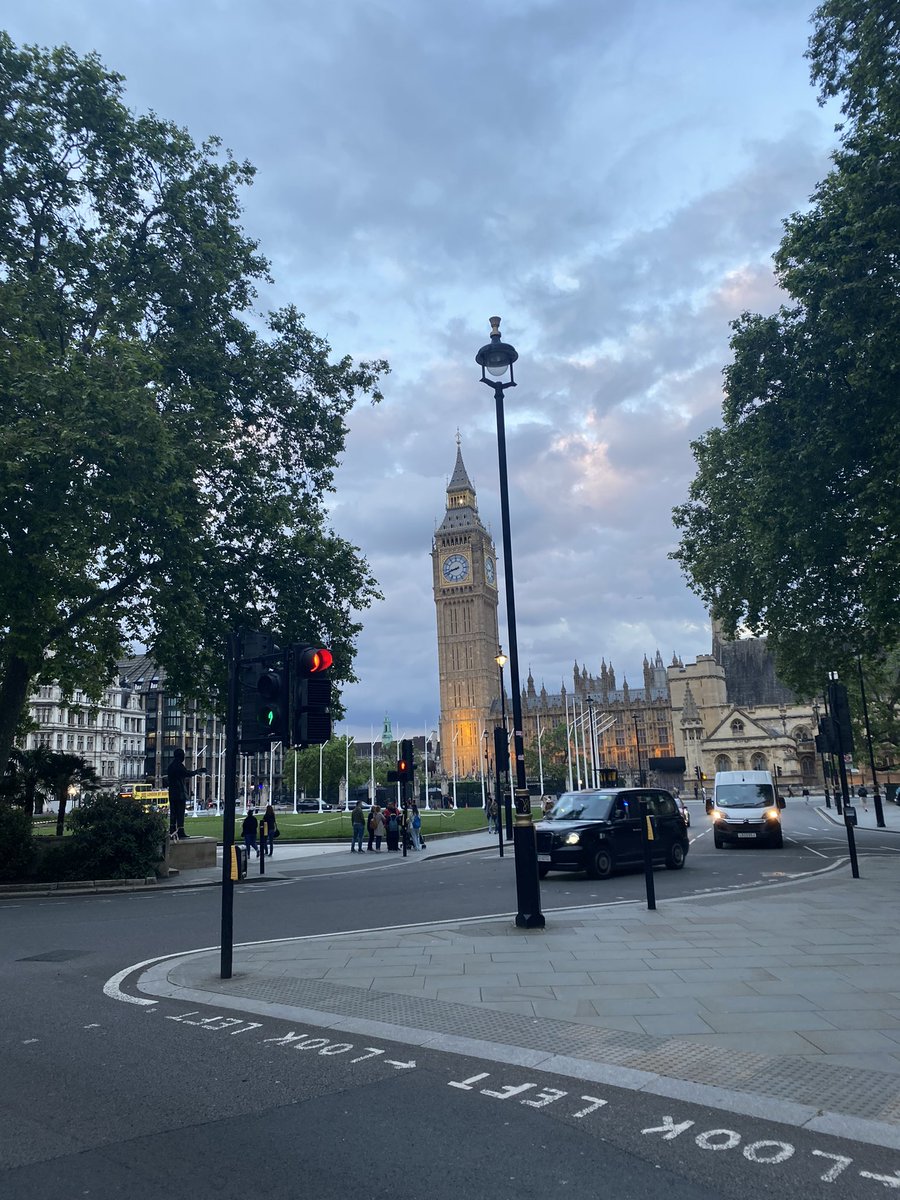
column 392, row 826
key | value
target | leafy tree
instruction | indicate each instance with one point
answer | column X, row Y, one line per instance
column 553, row 754
column 164, row 449
column 792, row 527
column 62, row 771
column 334, row 762
column 29, row 777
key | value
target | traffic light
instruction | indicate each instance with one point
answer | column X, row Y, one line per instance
column 826, row 738
column 840, row 715
column 311, row 685
column 406, row 767
column 501, row 749
column 265, row 705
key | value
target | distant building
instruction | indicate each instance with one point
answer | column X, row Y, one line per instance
column 108, row 735
column 731, row 712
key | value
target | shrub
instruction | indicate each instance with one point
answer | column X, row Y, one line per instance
column 17, row 849
column 113, row 838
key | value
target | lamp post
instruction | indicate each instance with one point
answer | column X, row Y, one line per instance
column 496, row 359
column 504, row 802
column 593, row 735
column 815, row 708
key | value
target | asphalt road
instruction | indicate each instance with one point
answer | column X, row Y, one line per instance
column 103, row 1099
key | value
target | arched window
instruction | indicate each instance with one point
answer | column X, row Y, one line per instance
column 758, row 763
column 737, row 727
column 723, row 762
column 801, row 734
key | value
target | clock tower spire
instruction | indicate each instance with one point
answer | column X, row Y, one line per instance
column 464, row 569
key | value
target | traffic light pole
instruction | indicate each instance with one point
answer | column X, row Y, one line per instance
column 235, row 642
column 838, row 701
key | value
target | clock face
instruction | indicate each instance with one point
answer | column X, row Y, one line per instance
column 490, row 573
column 456, row 568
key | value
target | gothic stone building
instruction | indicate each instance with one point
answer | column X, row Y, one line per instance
column 630, row 722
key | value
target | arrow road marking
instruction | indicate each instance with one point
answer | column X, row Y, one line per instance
column 403, row 1066
column 891, row 1181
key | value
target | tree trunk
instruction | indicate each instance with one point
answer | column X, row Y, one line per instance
column 13, row 695
column 62, row 797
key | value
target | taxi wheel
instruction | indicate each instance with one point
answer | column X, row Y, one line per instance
column 601, row 863
column 675, row 857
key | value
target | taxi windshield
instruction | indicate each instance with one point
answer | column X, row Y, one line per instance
column 581, row 806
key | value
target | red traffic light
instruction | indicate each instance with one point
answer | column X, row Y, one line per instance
column 313, row 660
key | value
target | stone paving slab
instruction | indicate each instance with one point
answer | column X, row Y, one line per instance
column 790, row 1024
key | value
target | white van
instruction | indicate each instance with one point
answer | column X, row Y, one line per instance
column 746, row 808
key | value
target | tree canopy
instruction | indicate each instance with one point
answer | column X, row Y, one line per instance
column 165, row 448
column 792, row 527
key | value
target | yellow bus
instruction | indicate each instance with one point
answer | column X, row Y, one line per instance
column 149, row 796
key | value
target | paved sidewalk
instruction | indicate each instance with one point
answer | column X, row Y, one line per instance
column 783, row 1002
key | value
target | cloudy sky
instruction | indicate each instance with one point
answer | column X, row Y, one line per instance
column 609, row 176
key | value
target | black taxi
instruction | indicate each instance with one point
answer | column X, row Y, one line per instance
column 598, row 830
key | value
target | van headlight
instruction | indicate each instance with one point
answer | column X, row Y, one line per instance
column 717, row 815
column 772, row 814
column 571, row 839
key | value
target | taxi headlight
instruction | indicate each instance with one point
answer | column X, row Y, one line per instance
column 571, row 839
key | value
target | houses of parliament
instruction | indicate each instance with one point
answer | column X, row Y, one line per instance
column 725, row 711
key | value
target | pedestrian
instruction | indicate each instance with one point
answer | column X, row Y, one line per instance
column 415, row 826
column 492, row 817
column 268, row 830
column 863, row 792
column 806, row 795
column 392, row 825
column 248, row 831
column 176, row 777
column 358, row 822
column 376, row 827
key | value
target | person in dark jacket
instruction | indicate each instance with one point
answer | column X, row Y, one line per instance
column 268, row 828
column 248, row 831
column 392, row 826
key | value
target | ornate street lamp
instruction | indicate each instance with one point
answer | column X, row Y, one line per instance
column 496, row 360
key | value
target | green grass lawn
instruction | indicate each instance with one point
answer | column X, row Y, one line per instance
column 327, row 825
column 312, row 826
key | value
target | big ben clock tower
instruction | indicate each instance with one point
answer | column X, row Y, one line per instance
column 464, row 566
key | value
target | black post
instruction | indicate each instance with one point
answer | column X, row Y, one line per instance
column 404, row 820
column 646, row 837
column 504, row 808
column 845, row 791
column 528, row 890
column 879, row 811
column 235, row 643
column 499, row 811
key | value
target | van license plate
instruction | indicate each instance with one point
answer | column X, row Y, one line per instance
column 545, row 858
column 750, row 835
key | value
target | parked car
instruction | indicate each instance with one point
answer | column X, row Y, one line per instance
column 599, row 830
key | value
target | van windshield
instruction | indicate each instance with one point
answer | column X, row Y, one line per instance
column 581, row 806
column 745, row 795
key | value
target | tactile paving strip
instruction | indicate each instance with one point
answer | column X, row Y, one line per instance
column 854, row 1092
